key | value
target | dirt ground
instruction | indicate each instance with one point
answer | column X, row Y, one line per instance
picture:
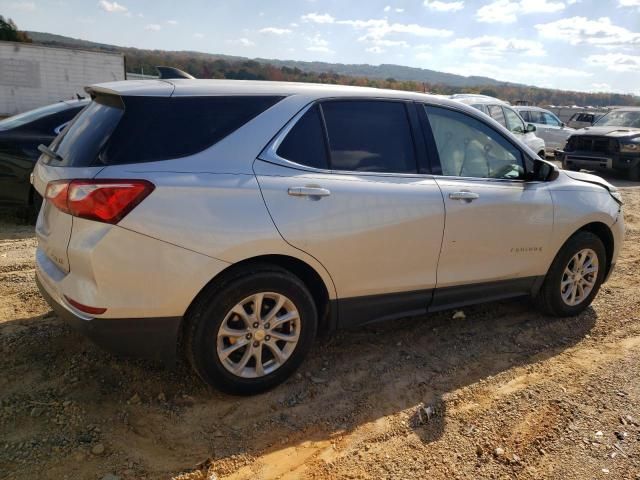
column 509, row 393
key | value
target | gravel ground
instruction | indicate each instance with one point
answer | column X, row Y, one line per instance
column 502, row 393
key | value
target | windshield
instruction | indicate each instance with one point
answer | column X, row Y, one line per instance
column 620, row 118
column 32, row 115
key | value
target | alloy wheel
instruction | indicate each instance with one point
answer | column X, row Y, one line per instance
column 258, row 335
column 579, row 277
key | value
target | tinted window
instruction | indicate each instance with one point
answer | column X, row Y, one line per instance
column 514, row 122
column 305, row 144
column 496, row 113
column 114, row 130
column 469, row 148
column 32, row 115
column 369, row 136
column 81, row 142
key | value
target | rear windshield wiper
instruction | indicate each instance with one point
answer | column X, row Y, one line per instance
column 50, row 153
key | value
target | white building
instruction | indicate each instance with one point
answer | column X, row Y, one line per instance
column 35, row 75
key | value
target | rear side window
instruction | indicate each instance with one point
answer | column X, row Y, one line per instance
column 369, row 136
column 305, row 143
column 115, row 130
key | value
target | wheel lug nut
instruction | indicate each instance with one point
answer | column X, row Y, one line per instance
column 255, row 344
column 248, row 336
column 255, row 325
column 267, row 338
column 267, row 326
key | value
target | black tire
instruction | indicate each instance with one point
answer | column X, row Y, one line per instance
column 549, row 299
column 205, row 316
column 634, row 174
column 542, row 154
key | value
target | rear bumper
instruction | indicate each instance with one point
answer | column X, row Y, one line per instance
column 151, row 338
column 597, row 161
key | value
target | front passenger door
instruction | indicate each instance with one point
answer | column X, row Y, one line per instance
column 498, row 226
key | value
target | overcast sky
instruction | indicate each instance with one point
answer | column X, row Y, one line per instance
column 591, row 45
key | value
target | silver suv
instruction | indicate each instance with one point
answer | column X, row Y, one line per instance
column 231, row 221
column 548, row 127
column 508, row 117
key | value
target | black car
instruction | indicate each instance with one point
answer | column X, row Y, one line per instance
column 20, row 136
column 612, row 143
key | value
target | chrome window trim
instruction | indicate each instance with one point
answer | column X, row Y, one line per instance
column 269, row 153
column 59, row 128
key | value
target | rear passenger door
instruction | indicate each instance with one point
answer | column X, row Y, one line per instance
column 341, row 183
column 498, row 225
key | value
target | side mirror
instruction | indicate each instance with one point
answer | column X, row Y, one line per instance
column 530, row 128
column 542, row 171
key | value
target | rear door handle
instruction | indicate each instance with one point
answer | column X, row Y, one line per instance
column 466, row 196
column 308, row 192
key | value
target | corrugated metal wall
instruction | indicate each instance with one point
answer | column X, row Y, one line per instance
column 33, row 75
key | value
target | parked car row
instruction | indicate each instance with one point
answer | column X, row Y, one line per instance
column 230, row 221
column 20, row 136
column 612, row 143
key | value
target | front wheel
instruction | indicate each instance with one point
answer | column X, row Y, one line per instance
column 250, row 333
column 575, row 276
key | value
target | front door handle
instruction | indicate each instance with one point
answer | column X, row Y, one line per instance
column 308, row 192
column 464, row 195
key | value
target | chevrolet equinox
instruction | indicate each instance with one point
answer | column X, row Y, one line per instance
column 230, row 221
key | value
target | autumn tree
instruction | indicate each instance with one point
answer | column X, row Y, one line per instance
column 9, row 31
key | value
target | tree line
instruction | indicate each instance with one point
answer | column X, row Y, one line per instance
column 204, row 65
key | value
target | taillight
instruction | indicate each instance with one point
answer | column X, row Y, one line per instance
column 105, row 201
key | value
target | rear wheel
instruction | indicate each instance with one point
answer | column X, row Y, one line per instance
column 250, row 333
column 575, row 276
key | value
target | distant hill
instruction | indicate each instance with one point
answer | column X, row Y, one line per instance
column 207, row 65
column 384, row 71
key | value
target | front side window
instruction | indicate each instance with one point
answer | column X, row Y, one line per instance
column 527, row 115
column 495, row 111
column 514, row 122
column 369, row 136
column 550, row 119
column 468, row 147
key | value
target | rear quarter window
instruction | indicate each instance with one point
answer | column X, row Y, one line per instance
column 122, row 130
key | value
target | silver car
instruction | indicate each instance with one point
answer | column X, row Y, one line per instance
column 230, row 221
column 506, row 115
column 548, row 127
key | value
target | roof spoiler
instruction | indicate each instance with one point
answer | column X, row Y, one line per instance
column 167, row 73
